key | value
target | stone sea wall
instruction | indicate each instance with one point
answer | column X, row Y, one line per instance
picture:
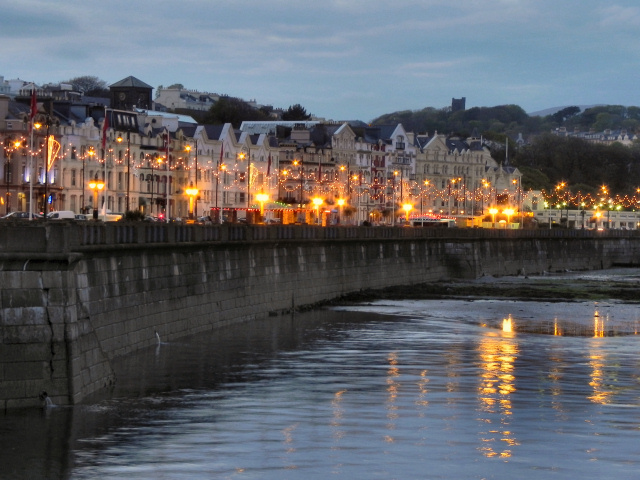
column 73, row 297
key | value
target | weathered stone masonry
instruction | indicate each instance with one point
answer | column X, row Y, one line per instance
column 73, row 297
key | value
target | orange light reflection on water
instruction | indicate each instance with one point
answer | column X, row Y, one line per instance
column 497, row 384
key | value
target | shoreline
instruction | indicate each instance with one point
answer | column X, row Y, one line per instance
column 622, row 285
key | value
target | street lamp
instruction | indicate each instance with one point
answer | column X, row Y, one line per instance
column 14, row 146
column 393, row 196
column 262, row 198
column 493, row 212
column 96, row 186
column 317, row 201
column 119, row 140
column 296, row 163
column 340, row 206
column 188, row 149
column 51, row 148
column 407, row 208
column 156, row 159
column 192, row 192
column 508, row 212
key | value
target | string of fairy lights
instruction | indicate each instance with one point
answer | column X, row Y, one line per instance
column 358, row 186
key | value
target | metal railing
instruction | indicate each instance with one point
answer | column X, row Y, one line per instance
column 60, row 237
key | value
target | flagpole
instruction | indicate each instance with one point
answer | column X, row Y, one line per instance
column 31, row 173
column 34, row 108
column 105, row 128
column 106, row 187
column 168, row 179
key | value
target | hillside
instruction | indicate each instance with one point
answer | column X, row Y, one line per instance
column 511, row 120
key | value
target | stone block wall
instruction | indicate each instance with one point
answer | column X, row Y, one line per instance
column 65, row 316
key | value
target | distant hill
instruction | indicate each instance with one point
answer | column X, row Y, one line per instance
column 552, row 110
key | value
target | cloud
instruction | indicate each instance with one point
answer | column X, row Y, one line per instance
column 617, row 16
column 339, row 58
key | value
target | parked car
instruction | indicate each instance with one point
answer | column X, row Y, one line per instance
column 111, row 217
column 62, row 215
column 81, row 216
column 20, row 215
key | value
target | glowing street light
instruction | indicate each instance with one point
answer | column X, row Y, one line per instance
column 262, row 198
column 96, row 186
column 192, row 192
column 341, row 203
column 317, row 201
column 508, row 212
column 493, row 212
column 407, row 208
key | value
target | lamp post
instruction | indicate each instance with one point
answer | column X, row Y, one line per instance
column 96, row 186
column 296, row 163
column 407, row 208
column 508, row 212
column 128, row 165
column 188, row 149
column 493, row 212
column 14, row 145
column 340, row 206
column 300, row 163
column 242, row 156
column 46, row 166
column 156, row 159
column 191, row 192
column 317, row 201
column 452, row 181
column 485, row 184
column 393, row 197
column 262, row 198
column 221, row 168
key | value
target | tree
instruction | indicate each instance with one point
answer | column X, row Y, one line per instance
column 234, row 111
column 566, row 113
column 296, row 112
column 90, row 86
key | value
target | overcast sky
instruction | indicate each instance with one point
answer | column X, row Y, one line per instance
column 340, row 59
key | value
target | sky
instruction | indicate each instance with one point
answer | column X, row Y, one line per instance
column 340, row 59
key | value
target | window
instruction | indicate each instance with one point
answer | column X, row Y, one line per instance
column 73, row 179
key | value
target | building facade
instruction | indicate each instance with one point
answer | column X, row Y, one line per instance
column 153, row 162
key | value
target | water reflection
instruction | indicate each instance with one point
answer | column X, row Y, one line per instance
column 598, row 326
column 598, row 361
column 431, row 389
column 498, row 354
column 393, row 385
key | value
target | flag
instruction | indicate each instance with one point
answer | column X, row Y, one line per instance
column 34, row 108
column 105, row 127
column 269, row 165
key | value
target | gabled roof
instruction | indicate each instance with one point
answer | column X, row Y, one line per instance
column 130, row 81
column 214, row 132
column 189, row 130
column 456, row 144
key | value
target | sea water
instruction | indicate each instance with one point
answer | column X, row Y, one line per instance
column 437, row 389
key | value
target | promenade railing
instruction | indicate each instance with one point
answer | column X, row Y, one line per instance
column 65, row 237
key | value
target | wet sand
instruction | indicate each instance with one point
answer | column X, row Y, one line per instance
column 622, row 285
